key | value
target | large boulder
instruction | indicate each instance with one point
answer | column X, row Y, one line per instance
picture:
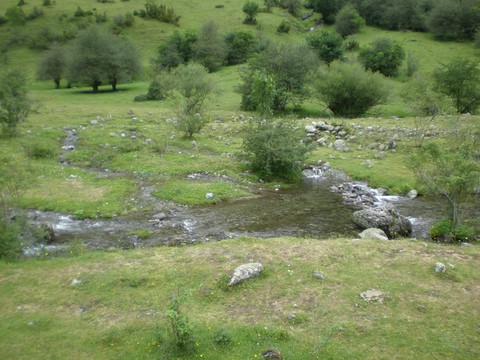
column 386, row 218
column 373, row 234
column 244, row 272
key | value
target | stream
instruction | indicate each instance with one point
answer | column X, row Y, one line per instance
column 308, row 210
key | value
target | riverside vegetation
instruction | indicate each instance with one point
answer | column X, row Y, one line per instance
column 89, row 153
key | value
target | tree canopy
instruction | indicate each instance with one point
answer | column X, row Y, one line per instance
column 99, row 57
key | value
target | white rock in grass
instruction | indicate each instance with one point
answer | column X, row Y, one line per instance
column 439, row 267
column 374, row 234
column 245, row 272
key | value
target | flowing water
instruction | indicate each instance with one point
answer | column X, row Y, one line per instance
column 308, row 210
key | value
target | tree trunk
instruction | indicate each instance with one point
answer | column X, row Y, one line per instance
column 57, row 83
column 95, row 85
column 114, row 85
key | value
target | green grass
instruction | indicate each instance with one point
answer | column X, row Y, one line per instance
column 117, row 311
column 151, row 151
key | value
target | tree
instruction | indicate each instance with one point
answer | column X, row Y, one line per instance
column 210, row 49
column 177, row 49
column 15, row 16
column 52, row 65
column 274, row 149
column 240, row 46
column 292, row 6
column 348, row 21
column 383, row 55
column 460, row 80
column 251, row 9
column 14, row 101
column 98, row 56
column 289, row 65
column 349, row 90
column 328, row 45
column 328, row 8
column 450, row 19
column 451, row 173
column 192, row 88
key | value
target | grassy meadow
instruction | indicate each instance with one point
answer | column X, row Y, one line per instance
column 112, row 305
column 116, row 307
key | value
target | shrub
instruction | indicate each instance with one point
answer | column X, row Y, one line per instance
column 15, row 16
column 159, row 12
column 38, row 150
column 383, row 55
column 328, row 45
column 10, row 245
column 240, row 46
column 450, row 19
column 251, row 9
column 289, row 65
column 190, row 124
column 412, row 64
column 210, row 49
column 351, row 45
column 180, row 326
column 177, row 49
column 46, row 3
column 292, row 6
column 349, row 90
column 284, row 27
column 275, row 150
column 348, row 21
column 445, row 231
column 477, row 39
column 460, row 80
column 36, row 13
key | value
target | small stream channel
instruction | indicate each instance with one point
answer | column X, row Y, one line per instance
column 308, row 210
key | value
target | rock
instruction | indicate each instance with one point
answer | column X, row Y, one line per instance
column 340, row 145
column 373, row 295
column 373, row 234
column 318, row 275
column 245, row 272
column 159, row 217
column 310, row 129
column 384, row 217
column 380, row 155
column 273, row 354
column 209, row 195
column 439, row 267
column 76, row 282
column 412, row 194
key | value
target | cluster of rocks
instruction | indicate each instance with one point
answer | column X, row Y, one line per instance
column 374, row 214
column 329, row 135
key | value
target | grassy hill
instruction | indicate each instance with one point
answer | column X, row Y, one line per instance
column 113, row 305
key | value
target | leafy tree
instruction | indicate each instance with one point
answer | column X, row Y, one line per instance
column 210, row 50
column 348, row 21
column 192, row 86
column 177, row 49
column 98, row 56
column 251, row 9
column 403, row 15
column 160, row 87
column 289, row 65
column 284, row 27
column 328, row 8
column 328, row 45
column 240, row 46
column 52, row 65
column 292, row 6
column 460, row 80
column 263, row 93
column 274, row 149
column 14, row 101
column 16, row 16
column 383, row 55
column 451, row 19
column 349, row 90
column 451, row 172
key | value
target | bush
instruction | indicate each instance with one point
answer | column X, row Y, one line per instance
column 284, row 27
column 412, row 64
column 460, row 80
column 15, row 16
column 348, row 21
column 292, row 6
column 275, row 149
column 289, row 65
column 349, row 90
column 190, row 124
column 210, row 49
column 445, row 231
column 351, row 45
column 240, row 46
column 383, row 55
column 10, row 245
column 328, row 45
column 177, row 50
column 38, row 150
column 180, row 326
column 251, row 9
column 159, row 12
column 477, row 39
column 451, row 20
